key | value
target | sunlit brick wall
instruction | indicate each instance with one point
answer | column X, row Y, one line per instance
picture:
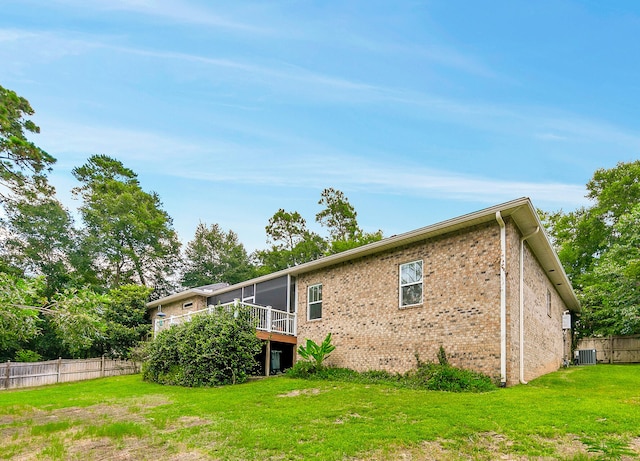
column 460, row 308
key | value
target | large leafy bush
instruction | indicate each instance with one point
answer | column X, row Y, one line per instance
column 210, row 350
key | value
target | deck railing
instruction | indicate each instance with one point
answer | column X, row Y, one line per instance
column 266, row 317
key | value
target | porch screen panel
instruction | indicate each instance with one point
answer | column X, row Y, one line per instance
column 248, row 291
column 272, row 293
column 225, row 297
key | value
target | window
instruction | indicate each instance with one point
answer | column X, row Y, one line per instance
column 187, row 305
column 411, row 284
column 315, row 302
column 548, row 303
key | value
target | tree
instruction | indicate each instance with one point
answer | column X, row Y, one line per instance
column 215, row 256
column 598, row 246
column 291, row 242
column 78, row 319
column 18, row 323
column 126, row 321
column 612, row 295
column 23, row 165
column 127, row 237
column 340, row 218
column 40, row 239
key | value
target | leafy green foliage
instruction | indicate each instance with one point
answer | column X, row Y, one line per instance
column 23, row 165
column 126, row 321
column 340, row 218
column 215, row 256
column 438, row 377
column 41, row 239
column 292, row 243
column 432, row 376
column 18, row 323
column 78, row 319
column 127, row 237
column 442, row 357
column 316, row 354
column 209, row 350
column 25, row 355
column 598, row 247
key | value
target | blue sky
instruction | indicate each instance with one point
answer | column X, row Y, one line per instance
column 419, row 111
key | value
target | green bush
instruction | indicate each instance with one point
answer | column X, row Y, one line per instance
column 27, row 356
column 302, row 369
column 432, row 376
column 444, row 377
column 210, row 350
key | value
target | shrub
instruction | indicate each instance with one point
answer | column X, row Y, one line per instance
column 432, row 376
column 302, row 369
column 442, row 357
column 444, row 377
column 27, row 356
column 210, row 350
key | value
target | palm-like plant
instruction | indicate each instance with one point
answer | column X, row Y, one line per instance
column 317, row 353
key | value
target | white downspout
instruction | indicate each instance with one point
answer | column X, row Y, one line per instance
column 503, row 300
column 522, row 239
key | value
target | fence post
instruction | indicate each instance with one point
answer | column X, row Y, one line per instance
column 610, row 349
column 59, row 369
column 7, row 376
column 102, row 366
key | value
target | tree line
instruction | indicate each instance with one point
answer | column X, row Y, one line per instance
column 79, row 289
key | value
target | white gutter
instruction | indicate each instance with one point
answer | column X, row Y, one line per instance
column 522, row 239
column 503, row 300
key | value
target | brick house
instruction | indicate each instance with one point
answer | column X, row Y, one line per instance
column 487, row 286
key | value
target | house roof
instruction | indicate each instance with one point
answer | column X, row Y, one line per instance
column 521, row 211
column 206, row 290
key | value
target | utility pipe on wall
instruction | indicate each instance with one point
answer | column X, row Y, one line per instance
column 522, row 239
column 503, row 300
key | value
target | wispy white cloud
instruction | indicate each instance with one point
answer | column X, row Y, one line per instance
column 218, row 162
column 172, row 11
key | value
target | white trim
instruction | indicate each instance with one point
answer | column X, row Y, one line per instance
column 314, row 302
column 401, row 285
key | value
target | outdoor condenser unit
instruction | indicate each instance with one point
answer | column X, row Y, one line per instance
column 587, row 357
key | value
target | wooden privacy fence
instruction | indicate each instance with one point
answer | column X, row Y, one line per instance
column 18, row 374
column 614, row 349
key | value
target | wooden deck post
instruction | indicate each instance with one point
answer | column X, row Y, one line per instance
column 267, row 359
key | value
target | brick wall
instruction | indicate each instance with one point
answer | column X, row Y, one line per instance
column 176, row 308
column 460, row 309
column 544, row 343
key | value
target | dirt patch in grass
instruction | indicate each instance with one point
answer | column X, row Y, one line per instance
column 298, row 392
column 78, row 433
column 490, row 446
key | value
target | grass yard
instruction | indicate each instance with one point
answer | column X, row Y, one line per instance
column 579, row 413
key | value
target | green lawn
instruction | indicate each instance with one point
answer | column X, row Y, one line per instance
column 577, row 413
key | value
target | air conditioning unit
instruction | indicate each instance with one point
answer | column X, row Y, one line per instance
column 587, row 357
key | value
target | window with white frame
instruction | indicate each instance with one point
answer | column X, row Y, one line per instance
column 314, row 302
column 411, row 284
